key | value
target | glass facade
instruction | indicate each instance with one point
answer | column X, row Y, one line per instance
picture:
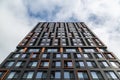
column 60, row 51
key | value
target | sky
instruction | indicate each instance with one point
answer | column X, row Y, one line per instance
column 18, row 17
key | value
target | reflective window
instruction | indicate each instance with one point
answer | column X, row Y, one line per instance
column 111, row 75
column 25, row 56
column 13, row 75
column 56, row 64
column 44, row 64
column 41, row 75
column 20, row 64
column 87, row 55
column 16, row 55
column 89, row 50
column 104, row 64
column 114, row 64
column 52, row 50
column 68, row 64
column 68, row 75
column 98, row 55
column 70, row 50
column 56, row 55
column 9, row 64
column 77, row 55
column 33, row 50
column 91, row 64
column 32, row 64
column 96, row 75
column 82, row 75
column 66, row 55
column 80, row 64
column 28, row 75
column 46, row 55
column 55, row 74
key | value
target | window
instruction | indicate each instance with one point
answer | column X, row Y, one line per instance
column 98, row 55
column 32, row 64
column 111, row 75
column 9, row 64
column 55, row 74
column 15, row 55
column 13, row 75
column 20, row 64
column 44, row 64
column 77, row 55
column 91, row 64
column 80, row 64
column 56, row 64
column 25, row 56
column 28, row 75
column 87, row 55
column 70, row 50
column 103, row 64
column 89, row 50
column 57, row 55
column 46, row 55
column 109, row 56
column 34, row 56
column 102, row 50
column 115, row 64
column 96, row 75
column 69, row 75
column 66, row 55
column 41, row 75
column 33, row 50
column 119, row 72
column 68, row 64
column 52, row 50
column 21, row 50
column 82, row 75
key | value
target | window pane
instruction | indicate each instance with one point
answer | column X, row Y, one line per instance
column 78, row 56
column 114, row 64
column 58, row 55
column 18, row 64
column 82, row 75
column 33, row 50
column 34, row 64
column 69, row 64
column 30, row 75
column 66, row 75
column 11, row 75
column 94, row 75
column 81, row 64
column 111, row 75
column 89, row 64
column 58, row 64
column 57, row 75
column 46, row 64
column 44, row 55
column 65, row 55
column 39, row 75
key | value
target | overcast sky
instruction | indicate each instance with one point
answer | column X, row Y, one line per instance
column 18, row 17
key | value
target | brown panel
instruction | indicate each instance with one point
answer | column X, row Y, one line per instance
column 43, row 50
column 61, row 50
column 80, row 50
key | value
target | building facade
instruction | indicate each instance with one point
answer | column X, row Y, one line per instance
column 60, row 51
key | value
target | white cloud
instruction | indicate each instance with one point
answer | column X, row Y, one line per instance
column 103, row 17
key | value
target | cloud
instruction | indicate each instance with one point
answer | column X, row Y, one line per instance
column 18, row 17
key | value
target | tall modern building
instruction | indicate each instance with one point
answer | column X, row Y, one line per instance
column 60, row 51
